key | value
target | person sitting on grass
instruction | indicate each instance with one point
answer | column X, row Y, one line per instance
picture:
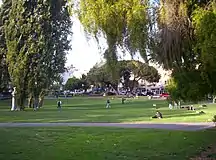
column 108, row 104
column 59, row 105
column 158, row 115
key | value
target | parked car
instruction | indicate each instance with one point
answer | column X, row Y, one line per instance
column 148, row 93
column 165, row 95
column 5, row 95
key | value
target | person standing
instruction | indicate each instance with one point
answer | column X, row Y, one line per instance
column 108, row 104
column 59, row 103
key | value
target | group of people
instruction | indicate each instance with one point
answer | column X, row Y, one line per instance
column 59, row 103
column 157, row 115
column 175, row 105
column 108, row 102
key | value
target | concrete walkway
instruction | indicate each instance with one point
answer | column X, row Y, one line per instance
column 166, row 126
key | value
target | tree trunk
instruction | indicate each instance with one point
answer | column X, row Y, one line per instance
column 213, row 99
column 115, row 89
column 132, row 86
column 41, row 100
column 30, row 101
column 36, row 103
column 21, row 102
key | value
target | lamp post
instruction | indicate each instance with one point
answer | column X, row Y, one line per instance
column 13, row 105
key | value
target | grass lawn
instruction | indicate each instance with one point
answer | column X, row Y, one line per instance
column 88, row 109
column 68, row 143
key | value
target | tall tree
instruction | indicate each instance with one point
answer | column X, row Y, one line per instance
column 180, row 34
column 84, row 82
column 4, row 15
column 73, row 83
column 186, row 45
column 37, row 45
column 122, row 22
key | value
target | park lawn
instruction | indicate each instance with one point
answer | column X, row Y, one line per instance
column 75, row 143
column 89, row 109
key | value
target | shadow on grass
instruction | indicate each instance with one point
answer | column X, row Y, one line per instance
column 183, row 115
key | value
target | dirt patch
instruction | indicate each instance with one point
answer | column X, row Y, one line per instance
column 207, row 154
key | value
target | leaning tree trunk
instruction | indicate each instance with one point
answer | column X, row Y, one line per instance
column 214, row 98
column 132, row 85
column 41, row 98
column 115, row 89
column 30, row 101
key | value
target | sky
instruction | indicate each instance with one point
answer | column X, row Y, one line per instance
column 85, row 53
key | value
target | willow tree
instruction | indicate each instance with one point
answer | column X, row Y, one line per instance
column 185, row 45
column 175, row 35
column 122, row 22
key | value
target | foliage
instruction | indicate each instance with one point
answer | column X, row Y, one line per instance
column 99, row 76
column 132, row 71
column 72, row 84
column 4, row 75
column 187, row 86
column 205, row 31
column 122, row 22
column 214, row 120
column 179, row 35
column 37, row 43
column 18, row 64
column 84, row 82
column 173, row 89
column 186, row 45
column 129, row 73
column 77, row 83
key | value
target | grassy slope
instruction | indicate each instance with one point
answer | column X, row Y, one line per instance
column 93, row 110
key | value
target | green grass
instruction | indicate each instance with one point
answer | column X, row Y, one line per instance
column 77, row 143
column 101, row 143
column 84, row 109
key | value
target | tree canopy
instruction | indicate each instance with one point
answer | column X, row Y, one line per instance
column 129, row 73
column 4, row 75
column 187, row 46
column 36, row 37
column 122, row 22
column 77, row 83
column 179, row 35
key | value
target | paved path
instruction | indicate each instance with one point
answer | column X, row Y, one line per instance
column 168, row 126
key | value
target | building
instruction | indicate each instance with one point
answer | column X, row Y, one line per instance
column 156, row 88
